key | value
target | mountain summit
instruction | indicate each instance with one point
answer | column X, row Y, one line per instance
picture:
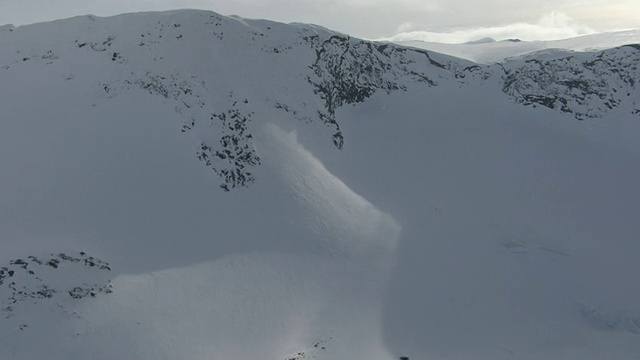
column 189, row 185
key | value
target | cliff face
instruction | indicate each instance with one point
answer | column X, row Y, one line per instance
column 585, row 85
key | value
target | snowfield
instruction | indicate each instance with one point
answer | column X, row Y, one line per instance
column 490, row 51
column 184, row 185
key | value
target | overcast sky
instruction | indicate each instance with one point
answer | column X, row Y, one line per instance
column 431, row 20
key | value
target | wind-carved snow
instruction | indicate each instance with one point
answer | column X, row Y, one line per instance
column 347, row 221
column 322, row 304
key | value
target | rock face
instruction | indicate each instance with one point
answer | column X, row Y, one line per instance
column 584, row 85
column 348, row 71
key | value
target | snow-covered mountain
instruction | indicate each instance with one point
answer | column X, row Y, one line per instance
column 188, row 185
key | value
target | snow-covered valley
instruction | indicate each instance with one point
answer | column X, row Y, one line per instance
column 185, row 185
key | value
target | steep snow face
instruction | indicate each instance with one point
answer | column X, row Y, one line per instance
column 273, row 304
column 205, row 64
column 164, row 57
column 332, row 207
column 504, row 214
column 188, row 185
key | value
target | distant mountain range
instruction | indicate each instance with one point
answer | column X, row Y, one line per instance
column 488, row 50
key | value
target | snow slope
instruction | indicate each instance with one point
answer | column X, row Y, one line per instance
column 187, row 185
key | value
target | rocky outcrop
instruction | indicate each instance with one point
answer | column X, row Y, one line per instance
column 37, row 279
column 586, row 85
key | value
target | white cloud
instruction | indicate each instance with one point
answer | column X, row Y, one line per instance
column 553, row 26
column 407, row 27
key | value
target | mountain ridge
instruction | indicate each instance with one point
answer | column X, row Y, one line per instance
column 345, row 71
